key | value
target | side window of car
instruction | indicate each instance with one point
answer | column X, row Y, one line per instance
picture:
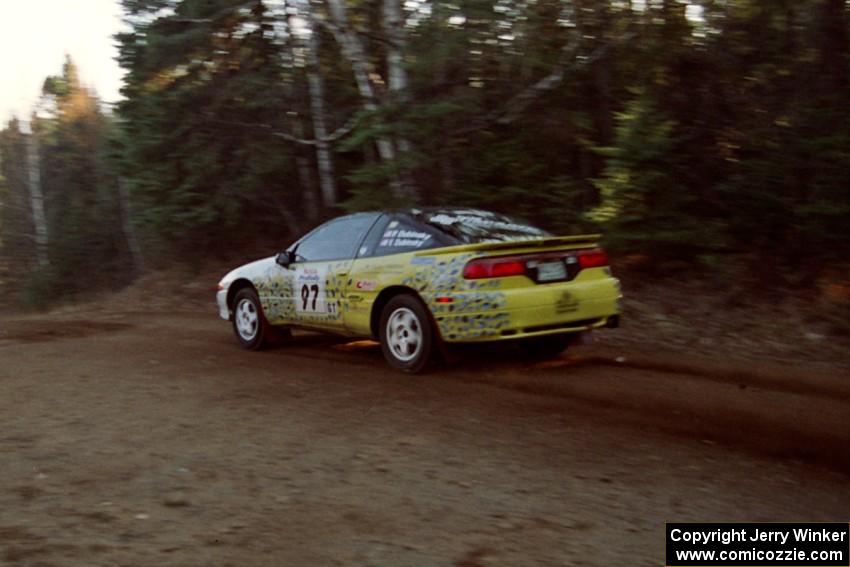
column 367, row 248
column 336, row 240
column 400, row 235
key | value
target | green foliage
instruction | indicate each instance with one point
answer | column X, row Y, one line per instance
column 81, row 200
column 690, row 139
column 196, row 153
column 644, row 201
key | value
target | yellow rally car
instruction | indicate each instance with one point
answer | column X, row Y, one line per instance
column 418, row 279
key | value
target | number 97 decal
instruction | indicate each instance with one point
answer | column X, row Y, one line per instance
column 305, row 296
column 310, row 283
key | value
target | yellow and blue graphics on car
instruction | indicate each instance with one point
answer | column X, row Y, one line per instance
column 418, row 279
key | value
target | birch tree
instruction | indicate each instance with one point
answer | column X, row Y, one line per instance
column 397, row 82
column 353, row 50
column 37, row 197
column 316, row 88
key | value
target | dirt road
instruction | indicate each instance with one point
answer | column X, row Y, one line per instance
column 151, row 439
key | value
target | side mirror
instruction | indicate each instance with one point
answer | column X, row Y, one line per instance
column 285, row 258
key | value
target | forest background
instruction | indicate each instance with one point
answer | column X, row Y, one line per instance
column 707, row 139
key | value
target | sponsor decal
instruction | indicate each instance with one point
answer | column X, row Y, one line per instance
column 566, row 303
column 366, row 285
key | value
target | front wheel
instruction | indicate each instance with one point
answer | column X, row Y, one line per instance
column 249, row 323
column 406, row 333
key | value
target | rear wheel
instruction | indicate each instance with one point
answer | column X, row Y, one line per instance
column 249, row 323
column 547, row 347
column 406, row 333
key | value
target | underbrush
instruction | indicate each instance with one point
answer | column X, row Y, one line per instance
column 703, row 314
column 678, row 308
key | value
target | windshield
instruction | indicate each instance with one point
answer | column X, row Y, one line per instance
column 473, row 226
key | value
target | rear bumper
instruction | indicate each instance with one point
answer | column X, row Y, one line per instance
column 528, row 312
column 501, row 326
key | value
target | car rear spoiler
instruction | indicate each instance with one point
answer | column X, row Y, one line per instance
column 580, row 241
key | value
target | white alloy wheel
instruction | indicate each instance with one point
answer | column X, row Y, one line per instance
column 404, row 334
column 247, row 319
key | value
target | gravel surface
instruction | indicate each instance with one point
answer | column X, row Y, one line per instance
column 147, row 437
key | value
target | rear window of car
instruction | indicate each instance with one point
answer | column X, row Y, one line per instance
column 398, row 234
column 473, row 226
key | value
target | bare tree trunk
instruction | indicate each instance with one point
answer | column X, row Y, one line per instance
column 305, row 176
column 353, row 50
column 397, row 77
column 36, row 198
column 316, row 84
column 602, row 80
column 833, row 45
column 447, row 172
column 394, row 30
column 127, row 226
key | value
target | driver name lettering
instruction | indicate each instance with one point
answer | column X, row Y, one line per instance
column 404, row 238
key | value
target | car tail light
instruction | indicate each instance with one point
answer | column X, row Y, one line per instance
column 506, row 266
column 592, row 258
column 512, row 268
column 493, row 268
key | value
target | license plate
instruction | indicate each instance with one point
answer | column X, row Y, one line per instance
column 551, row 271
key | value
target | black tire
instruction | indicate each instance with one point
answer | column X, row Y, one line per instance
column 407, row 335
column 547, row 347
column 249, row 323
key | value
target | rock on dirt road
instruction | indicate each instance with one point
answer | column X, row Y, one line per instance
column 151, row 439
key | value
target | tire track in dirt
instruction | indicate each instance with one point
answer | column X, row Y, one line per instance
column 784, row 414
column 778, row 411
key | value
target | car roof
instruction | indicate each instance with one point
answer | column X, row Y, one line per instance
column 430, row 210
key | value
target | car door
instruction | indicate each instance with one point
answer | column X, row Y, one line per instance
column 321, row 269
